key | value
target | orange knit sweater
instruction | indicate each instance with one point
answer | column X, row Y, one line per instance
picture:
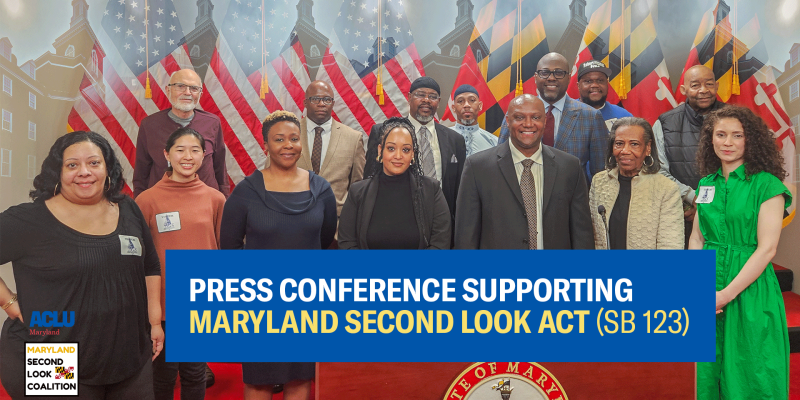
column 193, row 206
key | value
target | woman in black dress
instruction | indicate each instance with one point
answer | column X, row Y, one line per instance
column 83, row 249
column 397, row 208
column 279, row 207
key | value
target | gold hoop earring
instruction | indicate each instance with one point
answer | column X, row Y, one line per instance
column 652, row 160
column 108, row 180
column 55, row 190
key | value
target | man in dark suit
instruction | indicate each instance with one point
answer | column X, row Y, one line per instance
column 442, row 154
column 570, row 125
column 523, row 194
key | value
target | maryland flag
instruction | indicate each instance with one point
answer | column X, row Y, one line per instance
column 741, row 65
column 514, row 34
column 626, row 42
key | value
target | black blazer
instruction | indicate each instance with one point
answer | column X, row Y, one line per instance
column 491, row 214
column 357, row 212
column 453, row 150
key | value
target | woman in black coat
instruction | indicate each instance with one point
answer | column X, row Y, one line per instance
column 397, row 207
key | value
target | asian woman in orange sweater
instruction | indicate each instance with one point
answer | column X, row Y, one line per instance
column 182, row 213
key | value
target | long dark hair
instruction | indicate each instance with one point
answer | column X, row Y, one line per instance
column 760, row 150
column 179, row 133
column 415, row 168
column 44, row 185
column 649, row 138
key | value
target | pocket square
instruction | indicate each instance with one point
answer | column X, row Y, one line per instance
column 453, row 159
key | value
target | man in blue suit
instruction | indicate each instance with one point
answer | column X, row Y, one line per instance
column 570, row 125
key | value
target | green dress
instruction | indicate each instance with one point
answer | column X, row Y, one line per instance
column 752, row 352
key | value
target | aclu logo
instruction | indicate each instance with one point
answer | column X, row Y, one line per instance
column 50, row 319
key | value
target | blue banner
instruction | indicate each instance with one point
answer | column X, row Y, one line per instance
column 347, row 306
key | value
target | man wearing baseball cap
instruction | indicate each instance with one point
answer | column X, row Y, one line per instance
column 466, row 106
column 593, row 87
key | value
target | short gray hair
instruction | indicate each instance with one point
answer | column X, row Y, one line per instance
column 649, row 138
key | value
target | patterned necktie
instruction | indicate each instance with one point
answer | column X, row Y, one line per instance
column 316, row 152
column 425, row 151
column 528, row 188
column 549, row 127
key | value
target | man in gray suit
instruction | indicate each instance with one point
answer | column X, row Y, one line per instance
column 331, row 149
column 523, row 194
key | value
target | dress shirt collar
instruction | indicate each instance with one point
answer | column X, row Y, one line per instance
column 517, row 155
column 465, row 128
column 326, row 127
column 558, row 105
column 430, row 125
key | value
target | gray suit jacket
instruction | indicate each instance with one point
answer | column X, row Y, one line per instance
column 490, row 213
column 343, row 163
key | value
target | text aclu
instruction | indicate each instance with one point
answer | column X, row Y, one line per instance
column 51, row 318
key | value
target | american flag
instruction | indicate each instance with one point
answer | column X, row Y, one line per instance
column 115, row 104
column 233, row 80
column 366, row 32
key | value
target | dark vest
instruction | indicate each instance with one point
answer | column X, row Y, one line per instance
column 681, row 127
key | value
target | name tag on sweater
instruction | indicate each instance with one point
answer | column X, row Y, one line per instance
column 705, row 194
column 168, row 222
column 130, row 245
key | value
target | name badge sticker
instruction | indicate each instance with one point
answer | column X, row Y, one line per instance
column 130, row 245
column 705, row 194
column 168, row 222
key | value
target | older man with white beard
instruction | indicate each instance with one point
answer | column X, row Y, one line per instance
column 184, row 90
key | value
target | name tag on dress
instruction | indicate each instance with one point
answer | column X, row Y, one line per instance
column 168, row 222
column 130, row 245
column 705, row 194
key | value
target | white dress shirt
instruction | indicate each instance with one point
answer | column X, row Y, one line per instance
column 537, row 169
column 434, row 140
column 326, row 137
column 558, row 108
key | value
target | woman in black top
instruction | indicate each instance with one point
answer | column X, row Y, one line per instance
column 83, row 250
column 397, row 208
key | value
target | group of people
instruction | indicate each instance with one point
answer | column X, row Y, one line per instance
column 564, row 174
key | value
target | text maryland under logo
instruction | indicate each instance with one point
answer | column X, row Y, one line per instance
column 505, row 381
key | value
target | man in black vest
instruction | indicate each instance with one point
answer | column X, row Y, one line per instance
column 677, row 134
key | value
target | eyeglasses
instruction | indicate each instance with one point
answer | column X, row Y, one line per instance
column 590, row 82
column 422, row 96
column 545, row 73
column 182, row 87
column 321, row 100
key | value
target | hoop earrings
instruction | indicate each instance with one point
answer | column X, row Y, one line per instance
column 108, row 180
column 610, row 160
column 55, row 190
column 652, row 160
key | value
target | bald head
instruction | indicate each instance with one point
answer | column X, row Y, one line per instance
column 552, row 88
column 317, row 94
column 700, row 88
column 184, row 92
column 525, row 120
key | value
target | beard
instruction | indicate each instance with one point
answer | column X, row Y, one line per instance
column 423, row 119
column 184, row 107
column 594, row 104
column 467, row 122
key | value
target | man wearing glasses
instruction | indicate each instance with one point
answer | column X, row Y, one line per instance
column 593, row 88
column 442, row 150
column 331, row 149
column 570, row 125
column 184, row 90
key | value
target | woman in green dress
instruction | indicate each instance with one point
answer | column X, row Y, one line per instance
column 740, row 205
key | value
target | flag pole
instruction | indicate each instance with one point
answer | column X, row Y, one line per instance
column 264, row 85
column 735, row 88
column 148, row 93
column 622, row 93
column 379, row 83
column 519, row 90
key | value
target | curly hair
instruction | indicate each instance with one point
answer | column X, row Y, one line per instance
column 760, row 150
column 44, row 185
column 276, row 117
column 179, row 133
column 415, row 167
column 649, row 138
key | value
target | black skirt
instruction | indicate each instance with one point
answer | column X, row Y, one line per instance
column 277, row 373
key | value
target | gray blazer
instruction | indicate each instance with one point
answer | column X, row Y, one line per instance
column 490, row 213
